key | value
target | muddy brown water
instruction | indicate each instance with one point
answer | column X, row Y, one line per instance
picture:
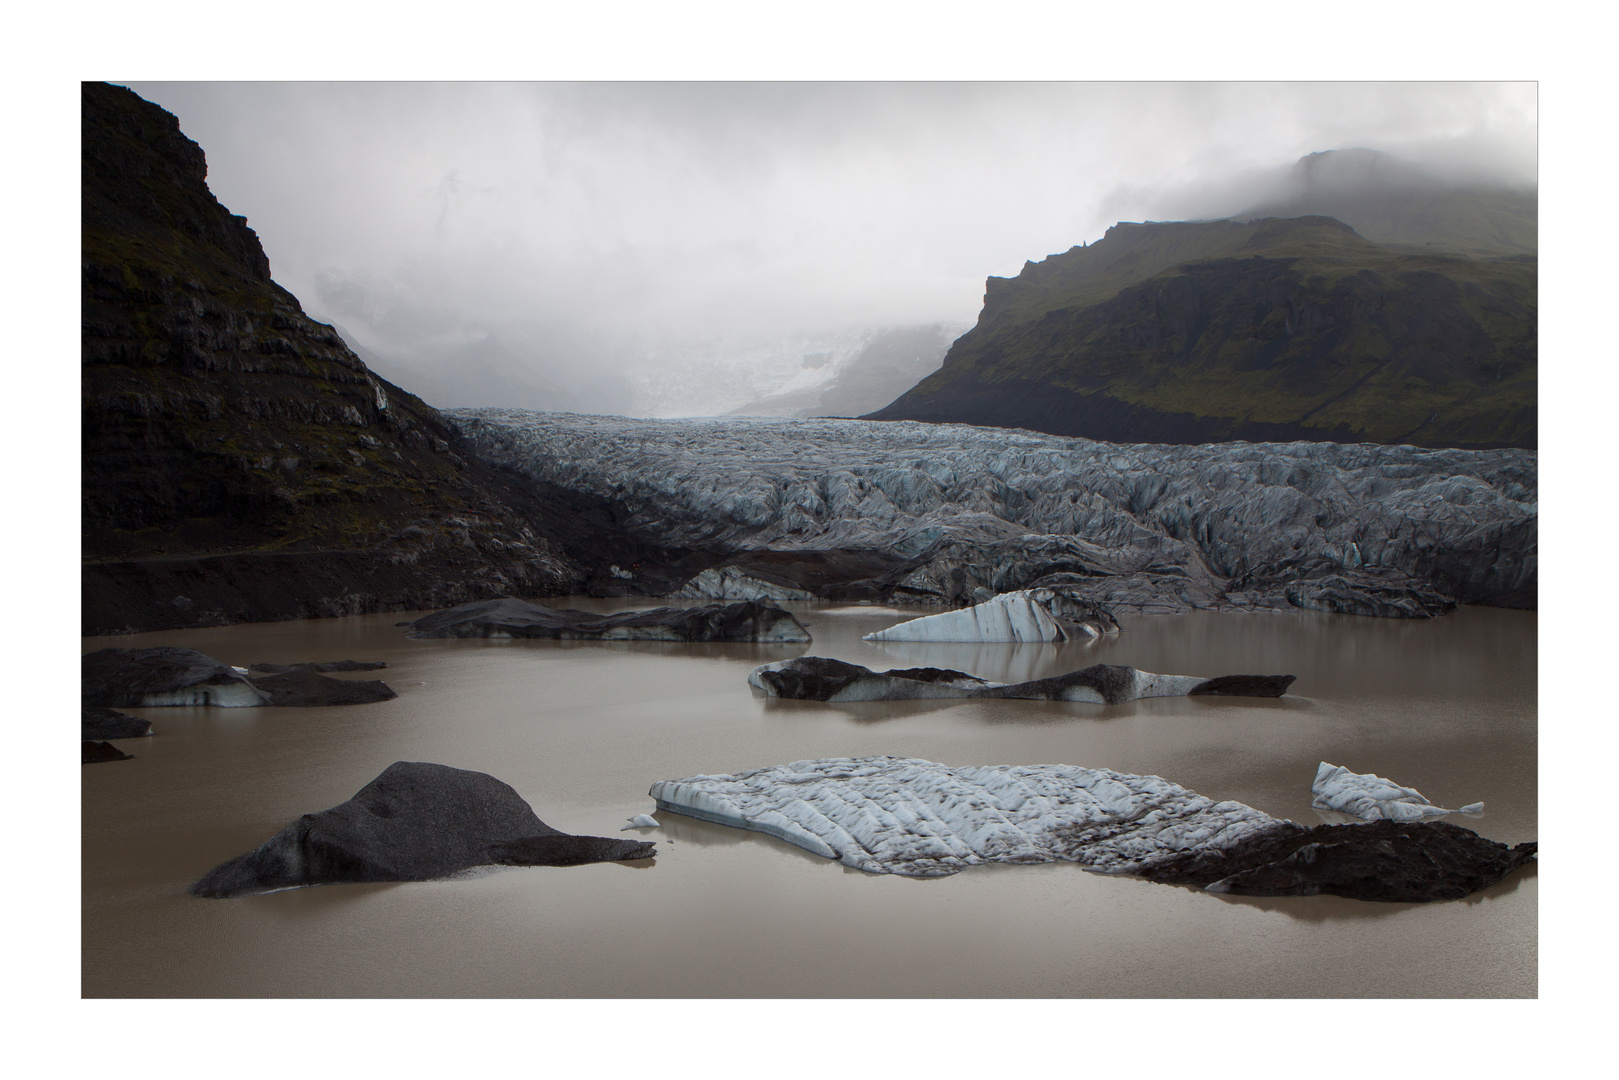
column 582, row 729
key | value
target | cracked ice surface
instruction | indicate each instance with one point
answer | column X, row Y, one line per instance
column 922, row 819
column 1371, row 798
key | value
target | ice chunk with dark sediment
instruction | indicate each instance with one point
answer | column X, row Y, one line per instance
column 1024, row 615
column 819, row 678
column 920, row 818
column 506, row 617
column 415, row 822
column 1372, row 798
column 135, row 678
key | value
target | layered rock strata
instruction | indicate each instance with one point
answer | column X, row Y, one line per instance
column 506, row 617
column 415, row 822
column 852, row 510
column 919, row 818
column 818, row 678
column 239, row 462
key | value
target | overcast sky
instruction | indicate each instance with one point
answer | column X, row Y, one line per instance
column 673, row 211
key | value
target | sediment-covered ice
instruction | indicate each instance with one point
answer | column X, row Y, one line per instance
column 1023, row 615
column 819, row 678
column 1372, row 798
column 922, row 819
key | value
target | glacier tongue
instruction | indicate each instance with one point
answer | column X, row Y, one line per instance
column 1371, row 797
column 919, row 818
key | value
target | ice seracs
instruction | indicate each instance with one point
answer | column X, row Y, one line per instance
column 1372, row 798
column 1023, row 615
column 819, row 678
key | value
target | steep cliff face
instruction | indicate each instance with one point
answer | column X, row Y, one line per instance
column 239, row 461
column 1277, row 329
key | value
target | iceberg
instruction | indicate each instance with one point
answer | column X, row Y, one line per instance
column 1024, row 615
column 918, row 818
column 819, row 678
column 1372, row 798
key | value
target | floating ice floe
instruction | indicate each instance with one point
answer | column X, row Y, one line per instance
column 819, row 678
column 1025, row 615
column 641, row 821
column 923, row 819
column 1373, row 798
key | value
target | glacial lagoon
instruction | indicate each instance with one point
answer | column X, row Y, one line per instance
column 581, row 730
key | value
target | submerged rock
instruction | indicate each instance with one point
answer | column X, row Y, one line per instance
column 819, row 678
column 135, row 678
column 307, row 688
column 1024, row 615
column 506, row 617
column 922, row 819
column 94, row 753
column 414, row 822
column 1373, row 798
column 101, row 723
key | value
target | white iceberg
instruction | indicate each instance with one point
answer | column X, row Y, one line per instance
column 1372, row 798
column 1025, row 615
column 922, row 819
column 641, row 821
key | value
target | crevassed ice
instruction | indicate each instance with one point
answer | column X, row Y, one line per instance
column 923, row 819
column 1371, row 797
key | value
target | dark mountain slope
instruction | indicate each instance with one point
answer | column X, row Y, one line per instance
column 239, row 461
column 1276, row 329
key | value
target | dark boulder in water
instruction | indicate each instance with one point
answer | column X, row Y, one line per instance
column 748, row 620
column 1393, row 861
column 101, row 723
column 306, row 688
column 415, row 822
column 96, row 752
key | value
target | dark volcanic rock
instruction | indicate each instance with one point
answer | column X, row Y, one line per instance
column 1394, row 861
column 102, row 723
column 97, row 752
column 748, row 620
column 819, row 678
column 333, row 665
column 132, row 678
column 239, row 462
column 415, row 822
column 304, row 688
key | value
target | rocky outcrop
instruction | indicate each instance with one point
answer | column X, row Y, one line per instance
column 135, row 678
column 508, row 618
column 1026, row 615
column 922, row 819
column 98, row 722
column 1372, row 798
column 239, row 462
column 819, row 678
column 415, row 822
column 852, row 510
column 1279, row 329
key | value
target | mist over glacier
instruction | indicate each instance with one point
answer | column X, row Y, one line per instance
column 686, row 248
